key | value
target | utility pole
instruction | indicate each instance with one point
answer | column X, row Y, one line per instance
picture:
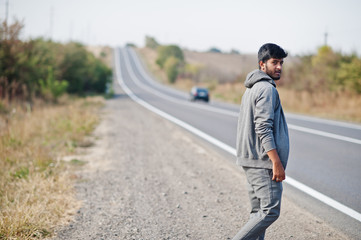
column 51, row 22
column 326, row 35
column 6, row 11
column 71, row 31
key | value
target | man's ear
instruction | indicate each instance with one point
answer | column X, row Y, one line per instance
column 262, row 65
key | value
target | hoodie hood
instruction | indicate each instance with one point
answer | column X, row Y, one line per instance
column 257, row 76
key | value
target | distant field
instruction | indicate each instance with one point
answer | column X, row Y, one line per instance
column 227, row 66
column 224, row 75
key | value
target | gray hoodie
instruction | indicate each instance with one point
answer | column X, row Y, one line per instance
column 261, row 124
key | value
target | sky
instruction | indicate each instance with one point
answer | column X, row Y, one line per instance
column 297, row 26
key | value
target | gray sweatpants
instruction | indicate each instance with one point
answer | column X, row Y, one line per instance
column 265, row 196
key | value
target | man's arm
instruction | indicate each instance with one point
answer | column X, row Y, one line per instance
column 264, row 117
column 278, row 171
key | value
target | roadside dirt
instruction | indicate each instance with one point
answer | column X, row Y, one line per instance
column 147, row 178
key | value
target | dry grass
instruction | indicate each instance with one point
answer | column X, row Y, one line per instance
column 36, row 189
column 224, row 67
column 333, row 105
column 340, row 106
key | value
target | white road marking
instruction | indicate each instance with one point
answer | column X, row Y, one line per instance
column 147, row 77
column 315, row 194
column 324, row 121
column 324, row 134
column 171, row 99
column 235, row 114
column 323, row 198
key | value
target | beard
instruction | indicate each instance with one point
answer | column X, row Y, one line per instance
column 275, row 75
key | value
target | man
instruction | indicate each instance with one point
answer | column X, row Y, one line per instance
column 262, row 142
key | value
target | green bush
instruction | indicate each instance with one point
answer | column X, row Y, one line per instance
column 83, row 71
column 52, row 89
column 349, row 75
column 150, row 42
column 25, row 65
column 325, row 71
column 324, row 67
column 214, row 50
column 165, row 52
column 171, row 68
column 16, row 71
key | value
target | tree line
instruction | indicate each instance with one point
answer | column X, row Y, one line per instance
column 170, row 58
column 46, row 69
column 325, row 71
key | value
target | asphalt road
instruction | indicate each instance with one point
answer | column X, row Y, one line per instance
column 325, row 155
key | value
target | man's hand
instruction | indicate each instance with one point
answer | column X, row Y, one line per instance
column 278, row 171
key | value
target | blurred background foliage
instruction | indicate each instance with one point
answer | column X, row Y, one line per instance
column 46, row 69
column 38, row 128
column 326, row 83
column 326, row 71
column 171, row 60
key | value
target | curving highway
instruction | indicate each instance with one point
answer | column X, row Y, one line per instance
column 325, row 157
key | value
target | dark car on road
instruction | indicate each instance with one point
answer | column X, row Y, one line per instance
column 199, row 93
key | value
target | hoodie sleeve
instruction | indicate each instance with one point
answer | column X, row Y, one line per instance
column 266, row 103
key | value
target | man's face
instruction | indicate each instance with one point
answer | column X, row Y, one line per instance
column 272, row 67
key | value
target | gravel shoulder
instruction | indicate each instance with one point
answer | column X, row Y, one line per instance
column 147, row 178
